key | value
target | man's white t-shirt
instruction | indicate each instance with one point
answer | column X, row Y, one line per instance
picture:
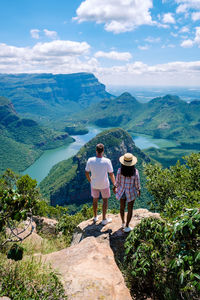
column 99, row 168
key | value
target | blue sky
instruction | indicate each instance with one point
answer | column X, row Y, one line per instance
column 123, row 42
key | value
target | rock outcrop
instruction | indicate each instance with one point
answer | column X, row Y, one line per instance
column 112, row 233
column 88, row 271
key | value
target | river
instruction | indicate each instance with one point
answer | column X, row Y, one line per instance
column 41, row 167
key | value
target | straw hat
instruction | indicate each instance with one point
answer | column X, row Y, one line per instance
column 128, row 159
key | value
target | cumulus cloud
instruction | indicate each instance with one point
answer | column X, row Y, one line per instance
column 44, row 57
column 61, row 48
column 168, row 18
column 117, row 15
column 190, row 43
column 186, row 5
column 123, row 56
column 50, row 33
column 35, row 33
column 196, row 16
column 184, row 29
column 138, row 73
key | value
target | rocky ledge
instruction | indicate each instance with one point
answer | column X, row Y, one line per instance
column 88, row 269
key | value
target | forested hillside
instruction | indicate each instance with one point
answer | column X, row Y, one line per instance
column 23, row 140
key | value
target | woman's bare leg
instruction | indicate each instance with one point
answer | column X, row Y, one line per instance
column 130, row 212
column 122, row 209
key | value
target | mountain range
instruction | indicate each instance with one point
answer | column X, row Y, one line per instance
column 48, row 97
column 163, row 117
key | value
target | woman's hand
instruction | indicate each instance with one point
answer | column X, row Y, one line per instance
column 114, row 189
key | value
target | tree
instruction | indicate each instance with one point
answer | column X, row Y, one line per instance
column 18, row 199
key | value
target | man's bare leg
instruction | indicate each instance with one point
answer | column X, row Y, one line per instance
column 105, row 206
column 95, row 206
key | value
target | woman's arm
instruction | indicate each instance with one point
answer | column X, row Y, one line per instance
column 137, row 183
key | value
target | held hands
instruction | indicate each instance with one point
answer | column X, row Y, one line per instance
column 114, row 189
column 138, row 193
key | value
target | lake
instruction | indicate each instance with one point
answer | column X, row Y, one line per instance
column 41, row 167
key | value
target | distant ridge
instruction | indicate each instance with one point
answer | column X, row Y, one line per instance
column 51, row 95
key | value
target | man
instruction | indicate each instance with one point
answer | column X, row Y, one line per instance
column 99, row 167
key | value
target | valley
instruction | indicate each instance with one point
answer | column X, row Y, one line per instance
column 48, row 118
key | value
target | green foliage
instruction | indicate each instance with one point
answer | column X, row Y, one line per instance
column 29, row 279
column 176, row 187
column 18, row 197
column 163, row 258
column 68, row 223
column 162, row 255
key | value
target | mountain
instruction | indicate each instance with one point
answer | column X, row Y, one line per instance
column 49, row 96
column 111, row 113
column 162, row 117
column 66, row 182
column 23, row 140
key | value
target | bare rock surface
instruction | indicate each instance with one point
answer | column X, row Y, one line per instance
column 45, row 225
column 112, row 233
column 88, row 271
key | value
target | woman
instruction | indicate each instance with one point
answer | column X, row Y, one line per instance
column 127, row 187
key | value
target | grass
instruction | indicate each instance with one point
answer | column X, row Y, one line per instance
column 29, row 279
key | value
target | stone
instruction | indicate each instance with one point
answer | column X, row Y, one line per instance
column 112, row 233
column 45, row 225
column 88, row 271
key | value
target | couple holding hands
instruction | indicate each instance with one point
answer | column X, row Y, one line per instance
column 126, row 186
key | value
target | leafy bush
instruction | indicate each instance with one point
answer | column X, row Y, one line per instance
column 162, row 255
column 29, row 279
column 163, row 258
column 68, row 223
column 176, row 187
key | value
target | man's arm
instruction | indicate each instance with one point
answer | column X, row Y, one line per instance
column 112, row 177
column 87, row 174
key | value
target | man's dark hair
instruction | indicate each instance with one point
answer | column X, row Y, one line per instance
column 99, row 148
column 127, row 171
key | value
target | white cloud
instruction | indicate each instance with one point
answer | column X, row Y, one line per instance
column 168, row 18
column 145, row 47
column 187, row 44
column 151, row 39
column 196, row 16
column 117, row 15
column 173, row 34
column 123, row 56
column 35, row 33
column 173, row 73
column 186, row 5
column 184, row 29
column 190, row 43
column 70, row 57
column 61, row 48
column 51, row 34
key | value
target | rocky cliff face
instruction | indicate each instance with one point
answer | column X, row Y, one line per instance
column 53, row 95
column 71, row 185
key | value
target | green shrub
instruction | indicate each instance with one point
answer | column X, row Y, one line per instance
column 163, row 257
column 29, row 279
column 68, row 223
